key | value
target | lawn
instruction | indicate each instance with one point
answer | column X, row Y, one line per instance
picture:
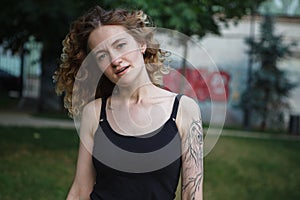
column 242, row 169
column 36, row 163
column 40, row 163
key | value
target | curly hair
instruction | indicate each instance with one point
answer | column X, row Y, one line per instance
column 75, row 50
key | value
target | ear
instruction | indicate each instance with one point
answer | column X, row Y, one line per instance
column 143, row 47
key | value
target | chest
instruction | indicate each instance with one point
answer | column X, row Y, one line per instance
column 135, row 120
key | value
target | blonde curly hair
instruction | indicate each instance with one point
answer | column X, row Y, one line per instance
column 75, row 50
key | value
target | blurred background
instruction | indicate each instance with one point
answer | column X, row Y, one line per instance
column 249, row 62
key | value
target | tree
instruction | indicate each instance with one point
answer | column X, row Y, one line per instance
column 194, row 17
column 270, row 86
column 48, row 22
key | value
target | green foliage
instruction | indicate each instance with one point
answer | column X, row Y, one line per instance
column 270, row 48
column 270, row 86
column 194, row 17
column 48, row 21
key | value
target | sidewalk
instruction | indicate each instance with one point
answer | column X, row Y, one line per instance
column 249, row 134
column 23, row 119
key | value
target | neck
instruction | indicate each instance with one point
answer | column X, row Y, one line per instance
column 135, row 94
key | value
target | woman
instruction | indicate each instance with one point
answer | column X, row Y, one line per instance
column 136, row 138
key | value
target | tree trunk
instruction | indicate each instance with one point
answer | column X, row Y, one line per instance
column 263, row 123
column 183, row 66
column 247, row 110
column 48, row 100
column 22, row 65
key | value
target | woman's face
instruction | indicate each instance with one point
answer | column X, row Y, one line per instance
column 118, row 54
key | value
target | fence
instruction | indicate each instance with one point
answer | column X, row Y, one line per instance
column 21, row 78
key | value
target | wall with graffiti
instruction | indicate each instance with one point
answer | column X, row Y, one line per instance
column 203, row 84
column 217, row 70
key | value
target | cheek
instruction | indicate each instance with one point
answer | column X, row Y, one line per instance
column 136, row 56
column 103, row 67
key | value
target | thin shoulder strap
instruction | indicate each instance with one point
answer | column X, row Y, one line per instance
column 175, row 106
column 103, row 109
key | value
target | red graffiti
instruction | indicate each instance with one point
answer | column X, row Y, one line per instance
column 206, row 85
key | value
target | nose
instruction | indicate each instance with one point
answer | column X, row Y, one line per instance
column 116, row 59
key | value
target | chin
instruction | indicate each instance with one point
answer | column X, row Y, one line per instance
column 125, row 81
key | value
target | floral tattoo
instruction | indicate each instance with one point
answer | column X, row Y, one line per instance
column 193, row 157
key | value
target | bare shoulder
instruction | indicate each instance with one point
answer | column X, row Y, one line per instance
column 92, row 108
column 189, row 108
column 188, row 114
column 90, row 116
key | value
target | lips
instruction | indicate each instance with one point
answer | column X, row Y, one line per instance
column 122, row 69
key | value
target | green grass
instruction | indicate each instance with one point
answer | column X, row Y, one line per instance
column 240, row 168
column 36, row 163
column 8, row 103
column 40, row 163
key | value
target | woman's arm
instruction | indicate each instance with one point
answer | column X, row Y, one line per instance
column 190, row 127
column 84, row 178
column 85, row 173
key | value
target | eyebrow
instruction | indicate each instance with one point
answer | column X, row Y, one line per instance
column 117, row 41
column 100, row 50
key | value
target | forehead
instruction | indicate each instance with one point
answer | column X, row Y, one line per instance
column 106, row 35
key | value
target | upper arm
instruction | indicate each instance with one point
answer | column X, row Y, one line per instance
column 89, row 124
column 85, row 173
column 190, row 127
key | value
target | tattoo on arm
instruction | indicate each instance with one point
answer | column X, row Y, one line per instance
column 193, row 157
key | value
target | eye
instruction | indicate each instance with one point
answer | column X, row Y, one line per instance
column 121, row 45
column 102, row 56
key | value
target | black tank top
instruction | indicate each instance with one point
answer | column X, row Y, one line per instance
column 146, row 167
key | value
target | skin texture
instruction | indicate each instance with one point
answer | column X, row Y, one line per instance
column 116, row 51
column 138, row 106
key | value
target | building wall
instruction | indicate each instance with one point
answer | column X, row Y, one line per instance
column 229, row 54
